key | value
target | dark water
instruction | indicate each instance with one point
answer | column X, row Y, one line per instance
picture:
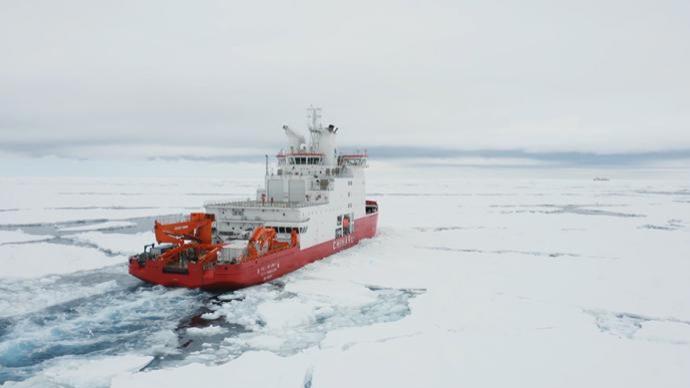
column 115, row 322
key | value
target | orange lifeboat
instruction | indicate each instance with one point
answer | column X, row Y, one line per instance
column 263, row 241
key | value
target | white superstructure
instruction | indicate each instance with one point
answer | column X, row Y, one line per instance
column 314, row 190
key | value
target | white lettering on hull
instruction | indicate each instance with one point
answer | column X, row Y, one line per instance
column 342, row 242
column 267, row 271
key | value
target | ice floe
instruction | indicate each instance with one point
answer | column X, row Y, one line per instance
column 40, row 259
column 17, row 236
column 115, row 243
column 253, row 369
column 84, row 373
column 204, row 331
column 108, row 225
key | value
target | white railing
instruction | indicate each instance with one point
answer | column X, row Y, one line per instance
column 172, row 219
column 264, row 204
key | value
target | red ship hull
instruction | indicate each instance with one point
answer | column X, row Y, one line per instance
column 263, row 269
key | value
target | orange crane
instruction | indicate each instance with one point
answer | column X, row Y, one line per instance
column 193, row 238
column 198, row 228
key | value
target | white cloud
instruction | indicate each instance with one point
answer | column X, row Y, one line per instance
column 540, row 76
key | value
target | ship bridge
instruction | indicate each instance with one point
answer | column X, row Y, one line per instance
column 311, row 183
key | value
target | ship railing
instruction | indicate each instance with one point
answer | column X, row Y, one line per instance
column 265, row 204
column 358, row 158
column 309, row 171
column 172, row 219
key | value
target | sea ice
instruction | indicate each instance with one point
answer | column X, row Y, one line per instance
column 332, row 291
column 116, row 243
column 672, row 332
column 98, row 226
column 252, row 369
column 17, row 236
column 44, row 292
column 40, row 259
column 286, row 313
column 205, row 331
column 489, row 277
column 83, row 373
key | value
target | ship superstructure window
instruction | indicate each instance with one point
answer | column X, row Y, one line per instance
column 288, row 229
column 345, row 225
column 305, row 160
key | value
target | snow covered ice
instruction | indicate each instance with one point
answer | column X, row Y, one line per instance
column 535, row 277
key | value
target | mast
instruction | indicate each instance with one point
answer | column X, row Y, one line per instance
column 314, row 114
column 322, row 139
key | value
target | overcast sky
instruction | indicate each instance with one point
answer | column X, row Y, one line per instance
column 130, row 78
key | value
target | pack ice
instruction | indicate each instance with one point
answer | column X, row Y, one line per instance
column 492, row 277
